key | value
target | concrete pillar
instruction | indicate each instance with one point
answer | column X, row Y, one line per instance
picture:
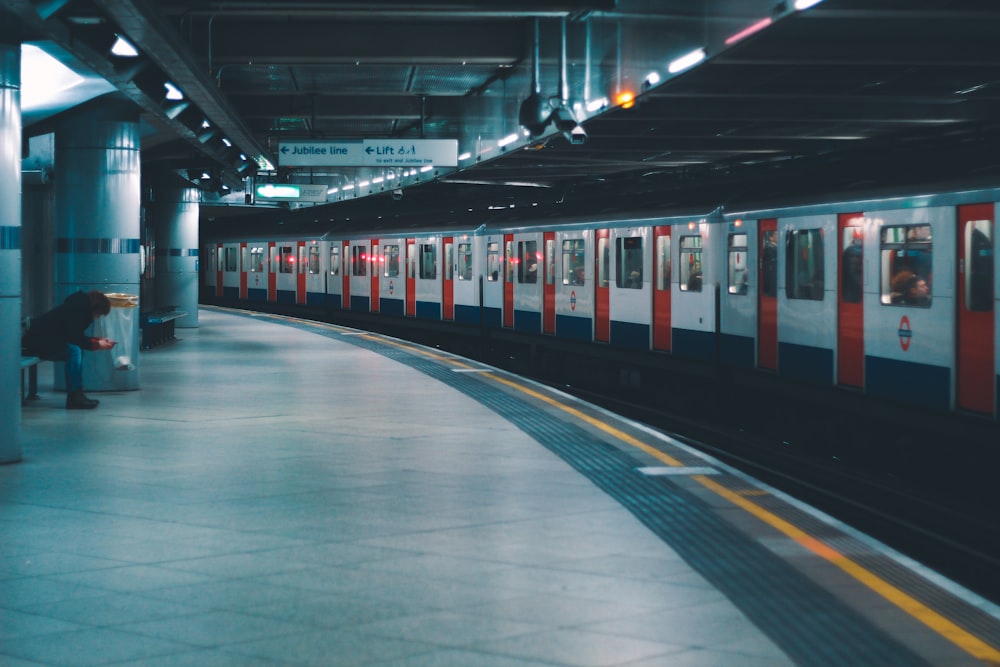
column 10, row 252
column 97, row 226
column 174, row 215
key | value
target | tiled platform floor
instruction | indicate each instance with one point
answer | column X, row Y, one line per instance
column 272, row 497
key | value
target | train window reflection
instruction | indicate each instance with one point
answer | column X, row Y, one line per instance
column 738, row 271
column 359, row 260
column 428, row 260
column 573, row 261
column 391, row 255
column 334, row 260
column 287, row 259
column 449, row 260
column 628, row 258
column 769, row 263
column 978, row 239
column 603, row 260
column 690, row 259
column 256, row 260
column 662, row 262
column 465, row 261
column 804, row 275
column 852, row 261
column 527, row 262
column 905, row 253
column 302, row 260
column 550, row 261
column 493, row 261
column 230, row 259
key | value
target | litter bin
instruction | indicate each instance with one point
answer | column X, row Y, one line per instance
column 115, row 369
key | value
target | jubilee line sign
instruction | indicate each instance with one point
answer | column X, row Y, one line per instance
column 368, row 153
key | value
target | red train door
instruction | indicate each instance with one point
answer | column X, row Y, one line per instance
column 447, row 280
column 273, row 266
column 411, row 277
column 243, row 271
column 220, row 263
column 377, row 264
column 850, row 301
column 602, row 291
column 549, row 283
column 508, row 281
column 975, row 308
column 300, row 273
column 345, row 273
column 661, row 288
column 767, row 294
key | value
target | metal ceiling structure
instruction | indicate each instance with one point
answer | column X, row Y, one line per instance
column 863, row 93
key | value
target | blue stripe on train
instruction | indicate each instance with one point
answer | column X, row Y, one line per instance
column 392, row 306
column 527, row 320
column 257, row 294
column 691, row 344
column 492, row 317
column 360, row 304
column 630, row 335
column 466, row 314
column 428, row 310
column 904, row 381
column 576, row 328
column 805, row 362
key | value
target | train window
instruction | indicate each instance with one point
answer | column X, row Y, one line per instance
column 287, row 260
column 303, row 263
column 978, row 239
column 428, row 261
column 449, row 260
column 411, row 260
column 493, row 261
column 738, row 272
column 391, row 255
column 804, row 277
column 230, row 259
column 273, row 265
column 465, row 261
column 906, row 252
column 852, row 260
column 769, row 263
column 335, row 260
column 628, row 258
column 256, row 260
column 359, row 260
column 527, row 262
column 508, row 256
column 603, row 260
column 573, row 261
column 313, row 259
column 690, row 277
column 663, row 262
column 244, row 258
column 550, row 261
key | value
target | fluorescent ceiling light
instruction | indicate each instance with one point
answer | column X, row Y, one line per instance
column 599, row 103
column 686, row 61
column 124, row 48
column 38, row 66
column 173, row 92
column 427, row 168
column 509, row 139
column 806, row 4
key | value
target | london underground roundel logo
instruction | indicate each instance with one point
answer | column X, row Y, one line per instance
column 572, row 300
column 905, row 333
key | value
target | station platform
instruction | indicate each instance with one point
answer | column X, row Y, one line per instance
column 281, row 492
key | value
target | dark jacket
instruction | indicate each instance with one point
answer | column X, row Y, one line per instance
column 49, row 334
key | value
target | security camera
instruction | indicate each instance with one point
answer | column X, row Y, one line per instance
column 577, row 135
column 397, row 194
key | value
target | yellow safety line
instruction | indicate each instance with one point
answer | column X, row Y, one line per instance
column 935, row 621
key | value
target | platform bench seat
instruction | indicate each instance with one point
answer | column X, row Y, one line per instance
column 158, row 327
column 29, row 365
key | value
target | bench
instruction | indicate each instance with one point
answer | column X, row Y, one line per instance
column 29, row 392
column 158, row 327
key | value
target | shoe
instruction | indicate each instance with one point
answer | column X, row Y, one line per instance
column 75, row 400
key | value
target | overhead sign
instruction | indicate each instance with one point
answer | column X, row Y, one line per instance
column 368, row 153
column 291, row 192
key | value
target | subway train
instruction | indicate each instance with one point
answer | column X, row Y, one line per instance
column 891, row 301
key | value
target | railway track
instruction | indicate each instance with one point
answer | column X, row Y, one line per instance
column 940, row 527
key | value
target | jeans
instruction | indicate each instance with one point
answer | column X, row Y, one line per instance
column 74, row 368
